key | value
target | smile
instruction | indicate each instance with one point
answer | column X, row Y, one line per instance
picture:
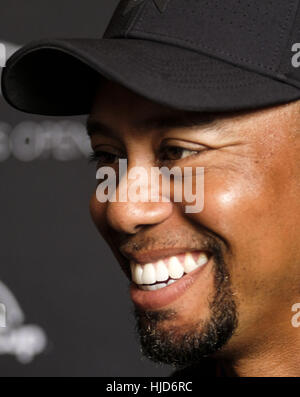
column 159, row 283
column 160, row 274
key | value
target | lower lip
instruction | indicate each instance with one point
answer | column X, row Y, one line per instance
column 164, row 296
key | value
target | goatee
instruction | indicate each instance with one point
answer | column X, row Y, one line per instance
column 181, row 348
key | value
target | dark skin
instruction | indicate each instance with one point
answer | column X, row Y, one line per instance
column 252, row 202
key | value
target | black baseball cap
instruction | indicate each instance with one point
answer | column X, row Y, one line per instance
column 193, row 55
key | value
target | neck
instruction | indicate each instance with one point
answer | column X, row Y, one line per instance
column 278, row 356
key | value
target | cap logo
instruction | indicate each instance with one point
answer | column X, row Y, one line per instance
column 161, row 5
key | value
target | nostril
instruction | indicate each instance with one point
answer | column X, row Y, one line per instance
column 131, row 217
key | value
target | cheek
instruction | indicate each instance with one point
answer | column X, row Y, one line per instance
column 256, row 214
column 228, row 200
column 246, row 210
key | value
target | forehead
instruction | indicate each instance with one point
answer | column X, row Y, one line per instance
column 117, row 106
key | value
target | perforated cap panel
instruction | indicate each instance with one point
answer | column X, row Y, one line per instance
column 249, row 33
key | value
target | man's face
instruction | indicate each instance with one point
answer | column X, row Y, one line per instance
column 249, row 228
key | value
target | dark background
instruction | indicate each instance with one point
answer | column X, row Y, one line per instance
column 52, row 258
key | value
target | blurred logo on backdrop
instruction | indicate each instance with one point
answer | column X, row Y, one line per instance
column 24, row 341
column 29, row 141
column 63, row 140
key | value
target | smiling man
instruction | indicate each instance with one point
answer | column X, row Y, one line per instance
column 239, row 256
column 198, row 85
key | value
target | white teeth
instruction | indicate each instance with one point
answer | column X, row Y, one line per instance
column 136, row 272
column 160, row 285
column 162, row 273
column 145, row 287
column 175, row 269
column 202, row 259
column 149, row 274
column 158, row 273
column 189, row 263
column 152, row 287
column 170, row 282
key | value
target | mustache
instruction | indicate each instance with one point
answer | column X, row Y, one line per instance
column 202, row 241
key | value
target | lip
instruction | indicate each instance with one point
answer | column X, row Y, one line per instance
column 152, row 300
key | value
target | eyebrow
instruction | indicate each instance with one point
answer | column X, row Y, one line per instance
column 164, row 124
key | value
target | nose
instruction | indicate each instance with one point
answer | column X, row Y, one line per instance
column 129, row 216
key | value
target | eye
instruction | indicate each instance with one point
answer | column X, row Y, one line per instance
column 171, row 153
column 102, row 157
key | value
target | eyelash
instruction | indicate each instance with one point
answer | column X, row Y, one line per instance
column 95, row 156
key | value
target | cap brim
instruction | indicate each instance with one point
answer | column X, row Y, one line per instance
column 59, row 77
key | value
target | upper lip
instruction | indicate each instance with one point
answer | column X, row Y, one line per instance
column 151, row 256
